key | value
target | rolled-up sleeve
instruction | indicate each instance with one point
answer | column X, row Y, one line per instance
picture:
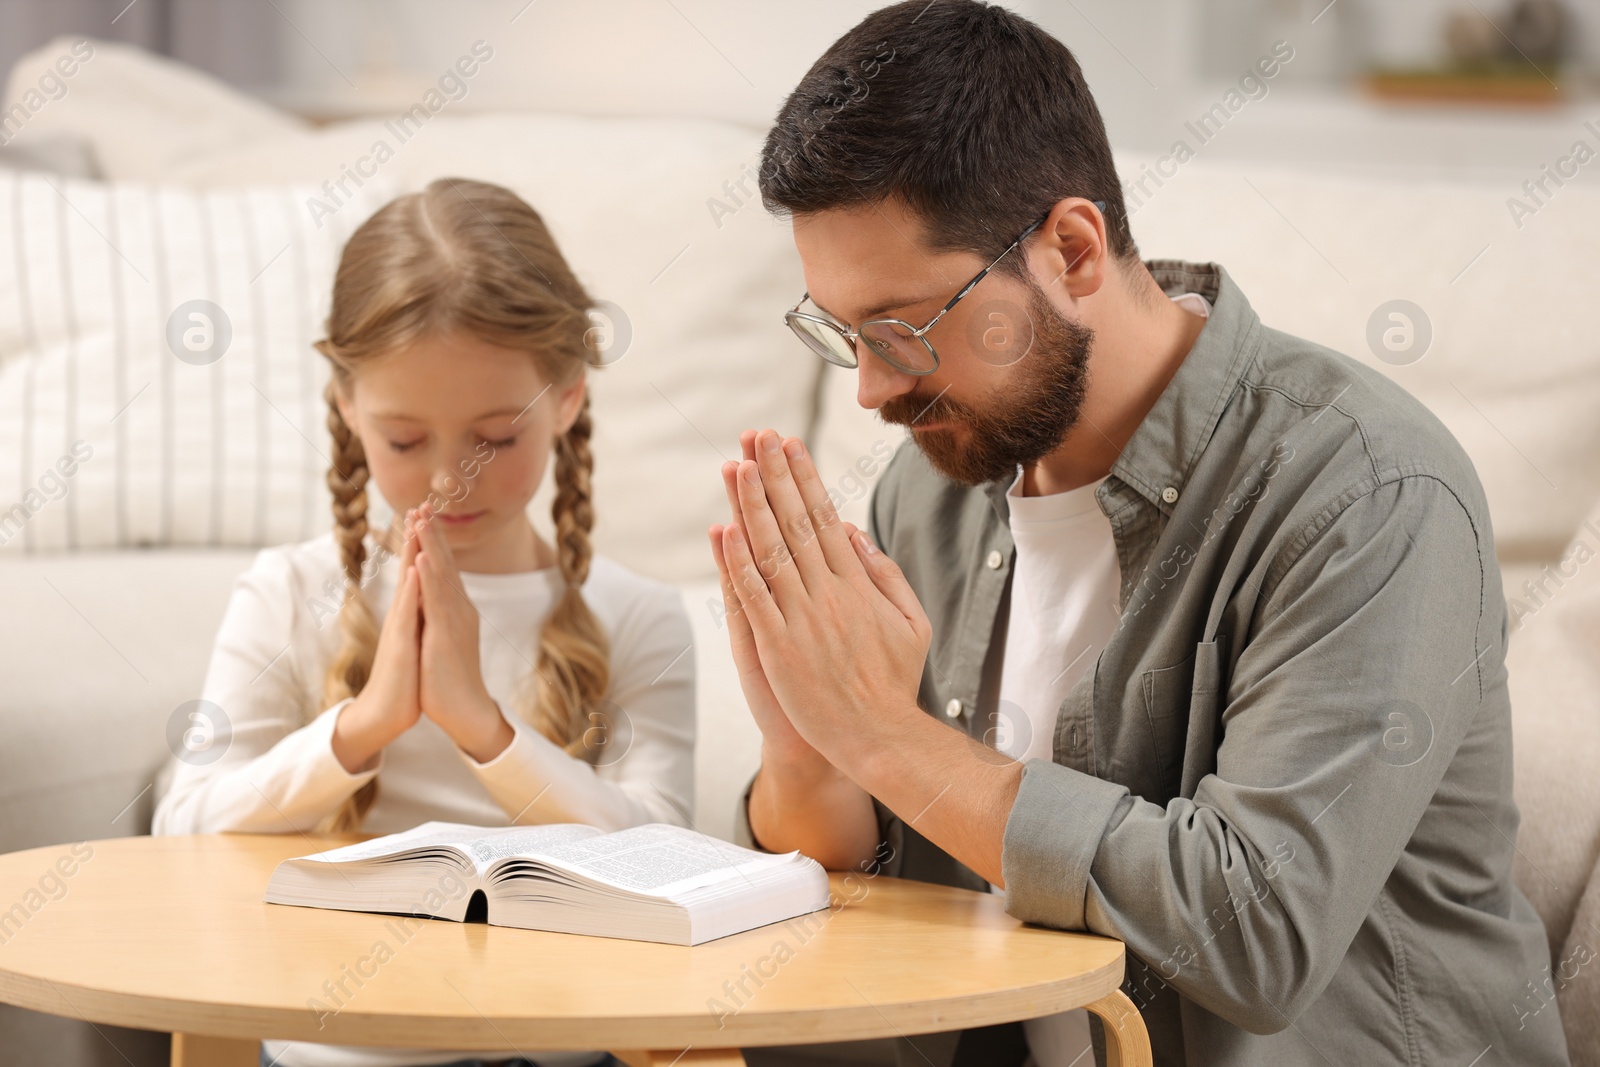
column 1358, row 673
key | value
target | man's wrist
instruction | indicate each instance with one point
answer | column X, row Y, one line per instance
column 797, row 767
column 879, row 748
column 804, row 803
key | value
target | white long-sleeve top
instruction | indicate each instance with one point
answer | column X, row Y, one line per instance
column 275, row 771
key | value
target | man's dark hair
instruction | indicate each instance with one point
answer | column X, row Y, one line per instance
column 973, row 117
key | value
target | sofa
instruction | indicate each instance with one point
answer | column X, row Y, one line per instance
column 115, row 574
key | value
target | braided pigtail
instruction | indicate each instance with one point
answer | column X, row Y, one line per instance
column 358, row 630
column 573, row 669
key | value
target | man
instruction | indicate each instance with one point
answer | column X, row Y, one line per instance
column 1182, row 631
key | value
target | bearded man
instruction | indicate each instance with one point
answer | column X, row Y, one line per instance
column 1167, row 625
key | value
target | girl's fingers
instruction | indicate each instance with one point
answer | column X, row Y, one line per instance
column 406, row 602
column 408, row 547
column 397, row 641
column 444, row 559
column 419, row 528
column 443, row 580
column 426, row 575
column 427, row 539
column 441, row 600
column 442, row 555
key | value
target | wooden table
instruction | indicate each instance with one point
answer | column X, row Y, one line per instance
column 171, row 933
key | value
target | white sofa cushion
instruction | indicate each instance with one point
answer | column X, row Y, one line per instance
column 1554, row 668
column 1508, row 370
column 102, row 649
column 126, row 419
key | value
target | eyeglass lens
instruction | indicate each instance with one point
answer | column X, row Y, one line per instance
column 825, row 341
column 896, row 343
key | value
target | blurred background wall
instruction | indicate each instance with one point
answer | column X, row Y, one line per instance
column 1153, row 64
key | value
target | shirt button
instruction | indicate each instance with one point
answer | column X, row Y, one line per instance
column 953, row 709
column 1169, row 494
column 995, row 559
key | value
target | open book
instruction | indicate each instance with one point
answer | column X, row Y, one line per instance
column 647, row 883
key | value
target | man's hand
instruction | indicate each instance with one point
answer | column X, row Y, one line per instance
column 830, row 641
column 839, row 637
column 451, row 690
column 781, row 743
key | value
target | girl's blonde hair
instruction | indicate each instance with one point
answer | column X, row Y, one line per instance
column 469, row 257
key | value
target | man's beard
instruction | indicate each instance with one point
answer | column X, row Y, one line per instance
column 1045, row 396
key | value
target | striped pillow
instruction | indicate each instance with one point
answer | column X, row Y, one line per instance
column 157, row 380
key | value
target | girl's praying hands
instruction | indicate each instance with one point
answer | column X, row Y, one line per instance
column 451, row 691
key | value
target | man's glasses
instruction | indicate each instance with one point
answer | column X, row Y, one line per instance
column 901, row 345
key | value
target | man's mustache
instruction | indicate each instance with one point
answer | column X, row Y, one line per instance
column 906, row 410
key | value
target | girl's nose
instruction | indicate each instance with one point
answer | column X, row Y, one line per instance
column 453, row 481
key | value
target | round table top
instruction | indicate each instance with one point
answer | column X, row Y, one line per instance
column 171, row 934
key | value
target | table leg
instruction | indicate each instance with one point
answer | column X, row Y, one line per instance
column 1127, row 1041
column 198, row 1050
column 693, row 1057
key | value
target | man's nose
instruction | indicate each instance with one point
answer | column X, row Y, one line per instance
column 877, row 381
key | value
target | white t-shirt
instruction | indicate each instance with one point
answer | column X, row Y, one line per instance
column 277, row 772
column 1064, row 590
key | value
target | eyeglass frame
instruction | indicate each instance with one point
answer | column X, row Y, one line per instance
column 850, row 335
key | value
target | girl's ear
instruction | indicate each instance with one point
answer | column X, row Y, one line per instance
column 346, row 408
column 568, row 401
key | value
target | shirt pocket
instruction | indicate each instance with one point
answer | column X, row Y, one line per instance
column 1180, row 702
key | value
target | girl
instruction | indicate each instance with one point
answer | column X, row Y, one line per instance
column 480, row 674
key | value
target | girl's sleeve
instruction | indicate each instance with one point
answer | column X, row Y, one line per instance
column 645, row 772
column 247, row 760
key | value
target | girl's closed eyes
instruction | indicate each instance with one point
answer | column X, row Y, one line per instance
column 405, row 446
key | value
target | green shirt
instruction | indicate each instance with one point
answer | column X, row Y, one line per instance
column 1286, row 781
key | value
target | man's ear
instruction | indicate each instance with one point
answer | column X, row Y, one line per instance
column 569, row 400
column 1072, row 249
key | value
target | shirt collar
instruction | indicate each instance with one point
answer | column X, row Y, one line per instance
column 1167, row 443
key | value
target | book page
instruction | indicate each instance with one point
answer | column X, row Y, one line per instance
column 648, row 858
column 532, row 842
column 429, row 833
